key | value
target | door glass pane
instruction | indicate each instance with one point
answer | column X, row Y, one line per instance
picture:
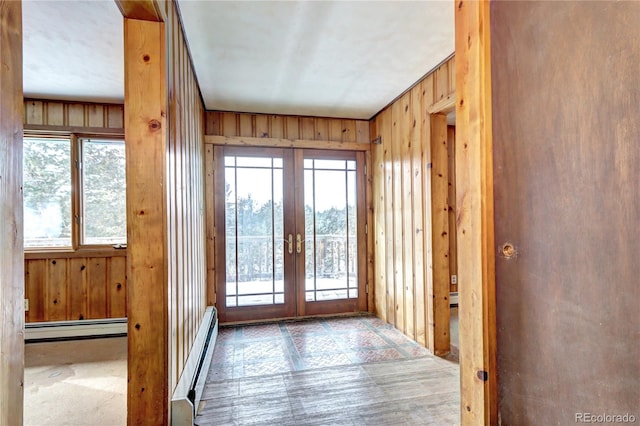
column 330, row 230
column 254, row 231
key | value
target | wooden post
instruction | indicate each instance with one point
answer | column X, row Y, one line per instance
column 147, row 282
column 11, row 240
column 475, row 238
column 439, row 339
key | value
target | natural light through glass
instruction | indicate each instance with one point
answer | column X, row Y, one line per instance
column 330, row 230
column 254, row 222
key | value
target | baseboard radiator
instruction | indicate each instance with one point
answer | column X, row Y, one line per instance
column 60, row 330
column 453, row 298
column 188, row 392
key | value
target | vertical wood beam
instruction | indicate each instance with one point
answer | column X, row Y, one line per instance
column 11, row 240
column 475, row 238
column 439, row 294
column 147, row 287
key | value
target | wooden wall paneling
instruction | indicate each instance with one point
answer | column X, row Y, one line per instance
column 292, row 127
column 362, row 132
column 335, row 130
column 213, row 123
column 474, row 201
column 377, row 227
column 56, row 290
column 117, row 287
column 11, row 216
column 55, row 114
column 147, row 307
column 34, row 112
column 427, row 96
column 321, row 129
column 209, row 188
column 453, row 248
column 417, row 154
column 370, row 246
column 229, row 124
column 349, row 130
column 95, row 115
column 277, row 124
column 262, row 126
column 77, row 291
column 407, row 125
column 97, row 288
column 246, row 125
column 75, row 115
column 397, row 217
column 34, row 282
column 79, row 117
column 385, row 131
column 307, row 128
column 440, row 234
column 441, row 82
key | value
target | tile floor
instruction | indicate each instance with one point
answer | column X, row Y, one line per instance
column 256, row 350
column 355, row 371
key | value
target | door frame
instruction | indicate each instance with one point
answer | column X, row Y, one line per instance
column 474, row 205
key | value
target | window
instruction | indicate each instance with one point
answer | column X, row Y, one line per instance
column 74, row 192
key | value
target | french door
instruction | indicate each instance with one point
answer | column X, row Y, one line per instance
column 289, row 227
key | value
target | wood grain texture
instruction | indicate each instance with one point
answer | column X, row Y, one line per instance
column 286, row 127
column 408, row 392
column 11, row 222
column 73, row 117
column 249, row 141
column 567, row 168
column 403, row 196
column 166, row 284
column 453, row 250
column 474, row 193
column 144, row 10
column 438, row 291
column 147, row 290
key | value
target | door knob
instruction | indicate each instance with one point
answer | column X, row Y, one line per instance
column 298, row 243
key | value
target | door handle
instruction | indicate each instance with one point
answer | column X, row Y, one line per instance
column 298, row 243
column 290, row 241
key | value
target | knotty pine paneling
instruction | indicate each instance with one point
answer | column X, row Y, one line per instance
column 72, row 116
column 11, row 222
column 75, row 288
column 185, row 177
column 286, row 127
column 403, row 191
column 74, row 300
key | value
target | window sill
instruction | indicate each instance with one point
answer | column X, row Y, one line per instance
column 70, row 254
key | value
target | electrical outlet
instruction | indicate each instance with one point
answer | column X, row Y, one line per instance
column 26, row 305
column 454, row 279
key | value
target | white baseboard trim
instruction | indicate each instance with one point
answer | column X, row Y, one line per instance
column 34, row 331
column 187, row 394
column 453, row 298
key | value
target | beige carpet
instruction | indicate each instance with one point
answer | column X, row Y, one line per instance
column 82, row 382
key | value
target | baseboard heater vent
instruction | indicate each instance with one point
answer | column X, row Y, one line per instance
column 59, row 330
column 188, row 392
column 453, row 298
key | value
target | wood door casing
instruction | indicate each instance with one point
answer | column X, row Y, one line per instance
column 566, row 102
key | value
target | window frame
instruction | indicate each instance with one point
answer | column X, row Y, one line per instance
column 75, row 144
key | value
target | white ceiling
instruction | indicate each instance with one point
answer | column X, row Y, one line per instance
column 73, row 50
column 322, row 58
